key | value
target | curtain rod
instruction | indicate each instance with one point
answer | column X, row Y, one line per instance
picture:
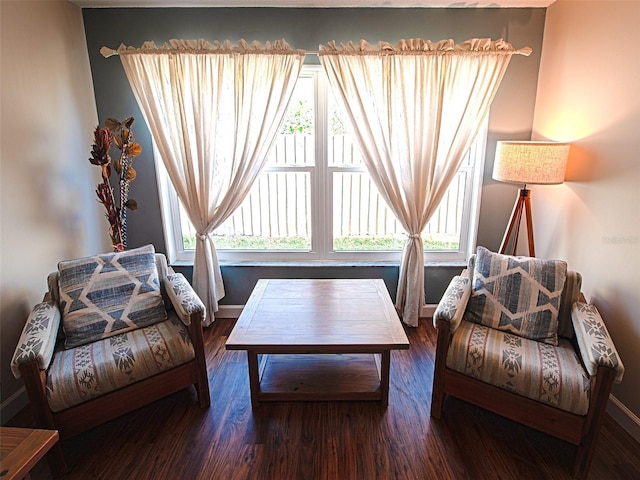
column 526, row 51
column 107, row 52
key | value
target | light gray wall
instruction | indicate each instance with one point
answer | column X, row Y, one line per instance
column 511, row 115
column 48, row 210
column 589, row 97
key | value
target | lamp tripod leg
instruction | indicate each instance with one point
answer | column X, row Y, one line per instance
column 527, row 206
column 514, row 226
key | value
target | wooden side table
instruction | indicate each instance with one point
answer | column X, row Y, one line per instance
column 21, row 449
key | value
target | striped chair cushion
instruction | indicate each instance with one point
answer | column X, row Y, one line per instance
column 520, row 295
column 570, row 295
column 109, row 294
column 537, row 370
column 79, row 374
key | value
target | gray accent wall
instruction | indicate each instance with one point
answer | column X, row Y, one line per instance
column 239, row 279
column 511, row 116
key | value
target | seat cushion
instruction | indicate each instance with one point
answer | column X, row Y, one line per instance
column 81, row 373
column 520, row 295
column 109, row 294
column 537, row 370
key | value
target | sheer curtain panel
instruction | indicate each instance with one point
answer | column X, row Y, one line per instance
column 415, row 109
column 213, row 110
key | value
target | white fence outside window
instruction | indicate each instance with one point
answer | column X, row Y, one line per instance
column 279, row 203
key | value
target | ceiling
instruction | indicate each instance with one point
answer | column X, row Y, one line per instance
column 315, row 3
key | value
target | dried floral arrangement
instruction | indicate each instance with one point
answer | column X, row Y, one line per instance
column 118, row 134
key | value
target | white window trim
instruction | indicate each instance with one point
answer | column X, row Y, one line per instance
column 321, row 197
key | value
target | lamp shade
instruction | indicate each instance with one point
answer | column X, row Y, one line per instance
column 541, row 163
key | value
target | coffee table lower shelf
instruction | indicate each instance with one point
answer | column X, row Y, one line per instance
column 319, row 377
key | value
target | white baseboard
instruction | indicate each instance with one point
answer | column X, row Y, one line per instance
column 428, row 310
column 229, row 311
column 12, row 405
column 625, row 417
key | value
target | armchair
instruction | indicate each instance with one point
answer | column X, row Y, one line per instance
column 516, row 337
column 114, row 332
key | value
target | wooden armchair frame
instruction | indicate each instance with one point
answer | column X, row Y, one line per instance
column 84, row 416
column 94, row 412
column 578, row 430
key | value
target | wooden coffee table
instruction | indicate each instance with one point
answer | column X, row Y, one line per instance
column 318, row 339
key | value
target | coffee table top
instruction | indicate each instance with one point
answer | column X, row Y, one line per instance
column 22, row 448
column 318, row 315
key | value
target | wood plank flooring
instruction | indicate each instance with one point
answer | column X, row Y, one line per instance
column 175, row 439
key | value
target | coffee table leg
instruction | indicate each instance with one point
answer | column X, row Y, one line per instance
column 384, row 377
column 254, row 378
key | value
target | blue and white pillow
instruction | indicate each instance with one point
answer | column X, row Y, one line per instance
column 104, row 295
column 520, row 295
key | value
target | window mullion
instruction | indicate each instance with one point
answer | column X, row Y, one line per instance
column 322, row 214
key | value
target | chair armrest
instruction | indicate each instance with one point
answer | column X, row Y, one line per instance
column 38, row 338
column 453, row 303
column 595, row 344
column 184, row 298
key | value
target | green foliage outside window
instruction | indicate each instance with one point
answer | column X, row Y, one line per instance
column 298, row 120
column 352, row 243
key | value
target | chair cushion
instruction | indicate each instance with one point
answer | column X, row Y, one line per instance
column 520, row 295
column 537, row 370
column 109, row 294
column 82, row 373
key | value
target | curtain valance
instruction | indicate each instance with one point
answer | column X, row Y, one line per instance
column 411, row 46
column 417, row 46
column 204, row 47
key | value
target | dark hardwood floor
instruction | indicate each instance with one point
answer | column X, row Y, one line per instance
column 175, row 439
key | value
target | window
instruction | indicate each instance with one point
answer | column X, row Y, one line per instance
column 314, row 200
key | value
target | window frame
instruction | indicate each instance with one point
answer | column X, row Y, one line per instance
column 321, row 174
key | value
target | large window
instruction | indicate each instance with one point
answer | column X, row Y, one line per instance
column 314, row 200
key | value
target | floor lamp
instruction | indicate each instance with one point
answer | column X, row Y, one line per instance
column 538, row 163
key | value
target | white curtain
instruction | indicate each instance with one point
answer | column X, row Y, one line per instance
column 213, row 111
column 415, row 109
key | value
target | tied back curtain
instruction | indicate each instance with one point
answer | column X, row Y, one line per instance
column 415, row 109
column 213, row 111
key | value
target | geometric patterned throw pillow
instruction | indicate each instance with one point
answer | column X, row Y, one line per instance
column 104, row 295
column 520, row 295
